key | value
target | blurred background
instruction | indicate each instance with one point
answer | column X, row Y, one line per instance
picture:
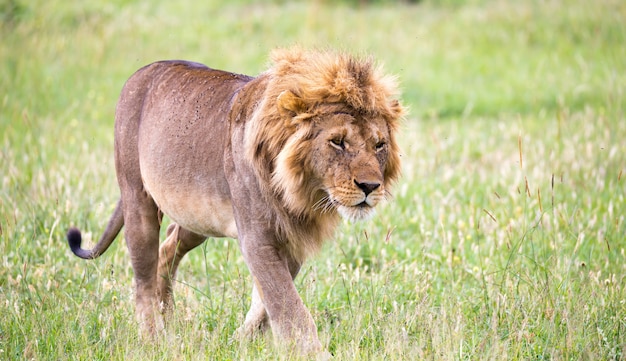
column 504, row 239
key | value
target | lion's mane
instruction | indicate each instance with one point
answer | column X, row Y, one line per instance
column 278, row 142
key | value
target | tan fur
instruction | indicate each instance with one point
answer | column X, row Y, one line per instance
column 273, row 161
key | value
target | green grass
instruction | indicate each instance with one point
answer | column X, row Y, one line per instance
column 506, row 236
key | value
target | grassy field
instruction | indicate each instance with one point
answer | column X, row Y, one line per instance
column 506, row 236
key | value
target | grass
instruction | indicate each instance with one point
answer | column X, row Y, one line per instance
column 505, row 238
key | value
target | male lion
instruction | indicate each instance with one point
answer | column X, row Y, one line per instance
column 272, row 161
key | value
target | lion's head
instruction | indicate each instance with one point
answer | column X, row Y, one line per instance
column 324, row 134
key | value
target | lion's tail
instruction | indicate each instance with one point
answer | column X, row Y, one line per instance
column 75, row 239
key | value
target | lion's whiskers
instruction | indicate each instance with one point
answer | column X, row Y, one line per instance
column 324, row 205
column 387, row 195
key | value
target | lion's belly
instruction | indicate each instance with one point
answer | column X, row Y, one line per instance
column 183, row 172
column 211, row 217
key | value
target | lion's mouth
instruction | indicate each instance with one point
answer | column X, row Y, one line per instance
column 356, row 212
column 355, row 209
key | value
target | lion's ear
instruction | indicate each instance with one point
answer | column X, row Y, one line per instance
column 290, row 105
column 397, row 110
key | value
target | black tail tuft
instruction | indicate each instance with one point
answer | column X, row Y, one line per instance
column 75, row 239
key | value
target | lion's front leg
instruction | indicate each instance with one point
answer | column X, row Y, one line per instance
column 291, row 323
column 256, row 319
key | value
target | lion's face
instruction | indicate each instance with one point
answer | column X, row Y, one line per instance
column 340, row 162
column 349, row 156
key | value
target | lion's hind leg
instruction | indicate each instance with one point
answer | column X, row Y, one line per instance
column 178, row 243
column 141, row 230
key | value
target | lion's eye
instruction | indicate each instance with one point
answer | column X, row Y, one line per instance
column 338, row 143
column 380, row 146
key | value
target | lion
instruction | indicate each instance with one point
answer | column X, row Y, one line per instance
column 274, row 161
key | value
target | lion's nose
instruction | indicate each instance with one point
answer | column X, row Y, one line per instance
column 367, row 187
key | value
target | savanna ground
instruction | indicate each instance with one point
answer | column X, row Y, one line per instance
column 505, row 238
